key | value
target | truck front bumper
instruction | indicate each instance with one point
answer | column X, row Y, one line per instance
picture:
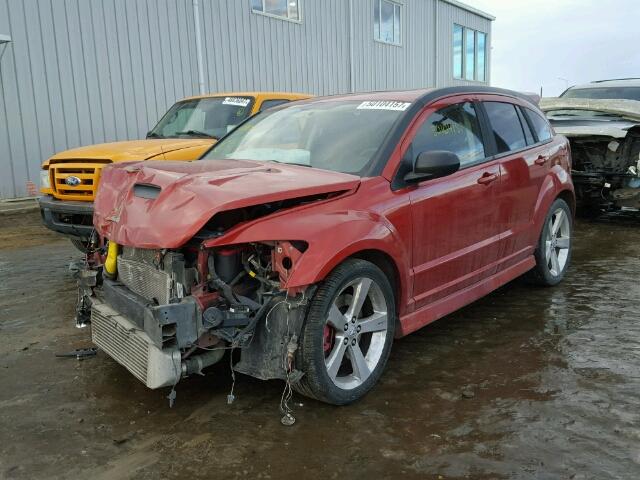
column 74, row 219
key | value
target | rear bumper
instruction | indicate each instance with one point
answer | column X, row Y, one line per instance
column 74, row 219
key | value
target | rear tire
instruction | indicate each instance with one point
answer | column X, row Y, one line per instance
column 347, row 335
column 553, row 253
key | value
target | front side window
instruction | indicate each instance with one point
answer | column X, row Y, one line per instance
column 455, row 129
column 506, row 126
column 203, row 117
column 386, row 21
column 540, row 125
column 289, row 9
column 340, row 135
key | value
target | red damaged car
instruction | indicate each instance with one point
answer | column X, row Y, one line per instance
column 315, row 233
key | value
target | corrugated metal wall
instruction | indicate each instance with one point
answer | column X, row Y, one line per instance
column 79, row 72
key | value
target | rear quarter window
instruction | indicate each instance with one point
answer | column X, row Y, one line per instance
column 540, row 125
column 272, row 103
column 506, row 126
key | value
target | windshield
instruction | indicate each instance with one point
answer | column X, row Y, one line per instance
column 340, row 135
column 605, row 93
column 203, row 117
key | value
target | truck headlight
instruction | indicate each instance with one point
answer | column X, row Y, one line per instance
column 45, row 182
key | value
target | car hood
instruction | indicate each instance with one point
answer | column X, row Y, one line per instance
column 130, row 150
column 624, row 114
column 163, row 204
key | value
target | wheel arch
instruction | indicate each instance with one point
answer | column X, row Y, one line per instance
column 569, row 197
column 385, row 262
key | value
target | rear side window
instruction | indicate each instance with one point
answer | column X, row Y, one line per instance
column 455, row 129
column 506, row 126
column 272, row 103
column 540, row 125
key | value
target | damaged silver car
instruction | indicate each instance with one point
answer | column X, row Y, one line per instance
column 602, row 122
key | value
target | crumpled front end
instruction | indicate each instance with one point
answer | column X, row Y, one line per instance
column 176, row 291
column 605, row 149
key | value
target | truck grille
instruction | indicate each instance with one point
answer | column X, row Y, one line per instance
column 122, row 344
column 87, row 171
column 137, row 272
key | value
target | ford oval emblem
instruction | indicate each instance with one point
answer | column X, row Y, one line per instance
column 72, row 181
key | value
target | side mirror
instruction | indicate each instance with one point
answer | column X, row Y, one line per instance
column 433, row 164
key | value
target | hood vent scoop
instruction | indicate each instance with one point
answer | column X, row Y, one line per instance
column 145, row 190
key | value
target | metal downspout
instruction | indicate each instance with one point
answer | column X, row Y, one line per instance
column 196, row 20
column 351, row 65
column 435, row 43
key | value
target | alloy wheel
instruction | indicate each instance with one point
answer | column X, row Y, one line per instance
column 558, row 242
column 355, row 332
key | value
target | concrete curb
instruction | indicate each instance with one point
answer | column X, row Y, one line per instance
column 14, row 211
column 18, row 207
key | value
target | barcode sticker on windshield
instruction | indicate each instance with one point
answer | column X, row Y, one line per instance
column 237, row 101
column 384, row 105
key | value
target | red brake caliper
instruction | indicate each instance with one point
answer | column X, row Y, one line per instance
column 328, row 336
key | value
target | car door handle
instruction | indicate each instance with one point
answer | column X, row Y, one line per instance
column 541, row 160
column 487, row 178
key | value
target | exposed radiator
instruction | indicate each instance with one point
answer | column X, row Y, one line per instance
column 145, row 279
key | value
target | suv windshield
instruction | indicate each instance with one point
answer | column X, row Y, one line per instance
column 203, row 117
column 340, row 135
column 604, row 93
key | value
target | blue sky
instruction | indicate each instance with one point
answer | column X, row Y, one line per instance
column 536, row 42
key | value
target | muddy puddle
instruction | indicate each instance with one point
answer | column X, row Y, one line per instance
column 527, row 383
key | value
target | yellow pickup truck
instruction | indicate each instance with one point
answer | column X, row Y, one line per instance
column 68, row 180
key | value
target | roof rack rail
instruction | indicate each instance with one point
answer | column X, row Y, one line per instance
column 615, row 79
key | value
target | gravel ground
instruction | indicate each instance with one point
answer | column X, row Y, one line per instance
column 527, row 383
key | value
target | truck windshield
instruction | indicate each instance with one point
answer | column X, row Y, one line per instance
column 340, row 135
column 203, row 117
column 604, row 93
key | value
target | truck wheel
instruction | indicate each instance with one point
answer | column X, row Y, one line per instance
column 80, row 244
column 347, row 335
column 553, row 253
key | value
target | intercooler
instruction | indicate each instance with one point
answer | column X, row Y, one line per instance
column 133, row 348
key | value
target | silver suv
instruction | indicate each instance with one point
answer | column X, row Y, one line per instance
column 621, row 89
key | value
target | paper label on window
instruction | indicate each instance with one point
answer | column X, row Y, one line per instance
column 237, row 101
column 384, row 105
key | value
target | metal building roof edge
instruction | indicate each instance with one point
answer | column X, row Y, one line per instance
column 469, row 8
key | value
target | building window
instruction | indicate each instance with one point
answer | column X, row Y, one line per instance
column 457, row 51
column 481, row 49
column 386, row 21
column 287, row 9
column 469, row 54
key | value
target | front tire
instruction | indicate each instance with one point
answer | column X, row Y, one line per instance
column 348, row 333
column 553, row 253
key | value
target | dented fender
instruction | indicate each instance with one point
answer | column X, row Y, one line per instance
column 339, row 233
